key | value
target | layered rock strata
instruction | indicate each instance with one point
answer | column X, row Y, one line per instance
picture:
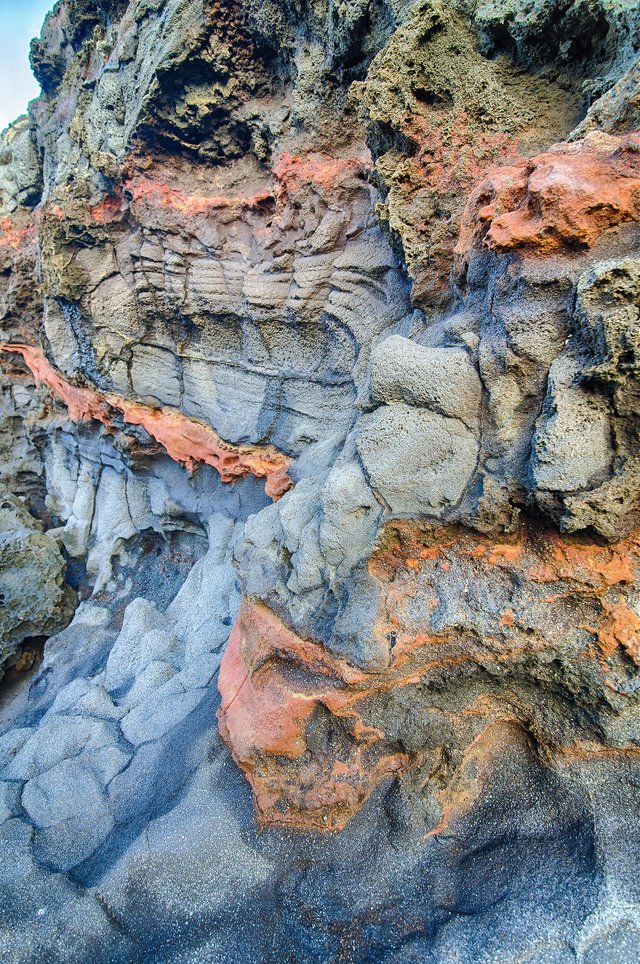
column 185, row 440
column 320, row 342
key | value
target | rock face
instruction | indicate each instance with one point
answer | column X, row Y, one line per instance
column 320, row 433
column 468, row 620
column 34, row 598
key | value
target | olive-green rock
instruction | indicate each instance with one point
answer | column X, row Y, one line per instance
column 34, row 598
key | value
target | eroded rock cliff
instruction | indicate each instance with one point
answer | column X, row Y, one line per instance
column 320, row 336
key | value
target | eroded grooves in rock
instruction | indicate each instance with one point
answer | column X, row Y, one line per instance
column 320, row 467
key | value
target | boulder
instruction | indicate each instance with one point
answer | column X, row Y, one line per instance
column 34, row 598
column 444, row 380
column 417, row 461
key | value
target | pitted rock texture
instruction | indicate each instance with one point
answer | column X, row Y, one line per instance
column 320, row 437
column 566, row 198
column 34, row 598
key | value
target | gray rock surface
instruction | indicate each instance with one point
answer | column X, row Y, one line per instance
column 20, row 166
column 256, row 215
column 572, row 447
column 443, row 380
column 418, row 461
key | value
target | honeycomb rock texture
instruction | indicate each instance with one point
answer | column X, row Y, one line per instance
column 320, row 478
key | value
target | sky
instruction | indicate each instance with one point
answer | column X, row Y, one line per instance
column 20, row 20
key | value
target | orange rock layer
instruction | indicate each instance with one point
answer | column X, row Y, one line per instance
column 185, row 439
column 291, row 175
column 295, row 172
column 13, row 234
column 314, row 735
column 158, row 194
column 565, row 198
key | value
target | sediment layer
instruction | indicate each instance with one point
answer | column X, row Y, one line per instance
column 376, row 265
column 185, row 440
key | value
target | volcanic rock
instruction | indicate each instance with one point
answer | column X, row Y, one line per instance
column 320, row 439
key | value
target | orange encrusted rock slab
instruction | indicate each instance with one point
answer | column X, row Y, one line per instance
column 185, row 439
column 564, row 199
column 277, row 690
column 314, row 735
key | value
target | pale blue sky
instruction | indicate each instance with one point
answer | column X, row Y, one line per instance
column 20, row 20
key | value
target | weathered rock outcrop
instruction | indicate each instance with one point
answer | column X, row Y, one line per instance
column 34, row 598
column 479, row 631
column 320, row 342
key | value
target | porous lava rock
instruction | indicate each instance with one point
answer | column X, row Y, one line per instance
column 320, row 428
column 34, row 597
column 466, row 620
